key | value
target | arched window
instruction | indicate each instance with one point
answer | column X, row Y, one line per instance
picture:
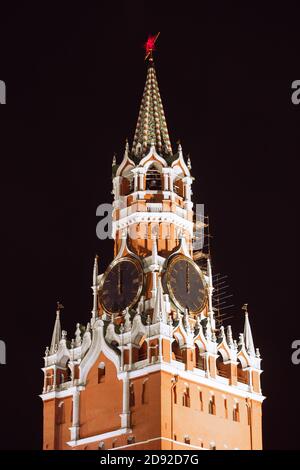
column 143, row 352
column 153, row 179
column 236, row 412
column 178, row 187
column 212, row 405
column 222, row 369
column 186, row 401
column 200, row 361
column 101, row 372
column 242, row 375
column 176, row 352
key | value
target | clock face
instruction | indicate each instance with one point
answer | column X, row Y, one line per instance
column 121, row 285
column 186, row 284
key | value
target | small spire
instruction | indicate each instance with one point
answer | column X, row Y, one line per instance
column 221, row 333
column 198, row 323
column 154, row 250
column 159, row 312
column 241, row 342
column 127, row 323
column 208, row 330
column 229, row 336
column 248, row 339
column 189, row 163
column 210, row 294
column 56, row 335
column 186, row 321
column 114, row 160
column 95, row 271
column 77, row 335
column 178, row 315
column 126, row 148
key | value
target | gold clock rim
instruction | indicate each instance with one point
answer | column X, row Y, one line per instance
column 171, row 263
column 139, row 267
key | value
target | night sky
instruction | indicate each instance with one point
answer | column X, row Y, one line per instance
column 74, row 78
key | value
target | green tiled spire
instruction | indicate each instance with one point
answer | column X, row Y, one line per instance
column 151, row 125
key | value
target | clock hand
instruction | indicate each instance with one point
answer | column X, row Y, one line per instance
column 187, row 279
column 119, row 280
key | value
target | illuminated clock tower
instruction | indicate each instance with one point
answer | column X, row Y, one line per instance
column 151, row 369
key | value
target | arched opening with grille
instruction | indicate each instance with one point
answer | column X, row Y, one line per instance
column 153, row 179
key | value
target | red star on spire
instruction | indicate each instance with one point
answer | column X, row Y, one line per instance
column 150, row 45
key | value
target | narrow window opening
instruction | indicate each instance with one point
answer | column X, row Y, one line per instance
column 61, row 413
column 201, row 401
column 175, row 395
column 186, row 401
column 249, row 415
column 101, row 372
column 236, row 412
column 226, row 408
column 153, row 179
column 131, row 395
column 212, row 405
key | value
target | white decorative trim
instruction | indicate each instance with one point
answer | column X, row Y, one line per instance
column 126, row 163
column 190, row 446
column 193, row 377
column 98, row 437
column 146, row 161
column 98, row 345
column 180, row 163
column 60, row 394
column 158, row 217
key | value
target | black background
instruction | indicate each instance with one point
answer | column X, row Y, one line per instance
column 74, row 77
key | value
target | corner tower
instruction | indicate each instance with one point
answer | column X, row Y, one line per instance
column 151, row 370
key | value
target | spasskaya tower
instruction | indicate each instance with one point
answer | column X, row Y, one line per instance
column 152, row 369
